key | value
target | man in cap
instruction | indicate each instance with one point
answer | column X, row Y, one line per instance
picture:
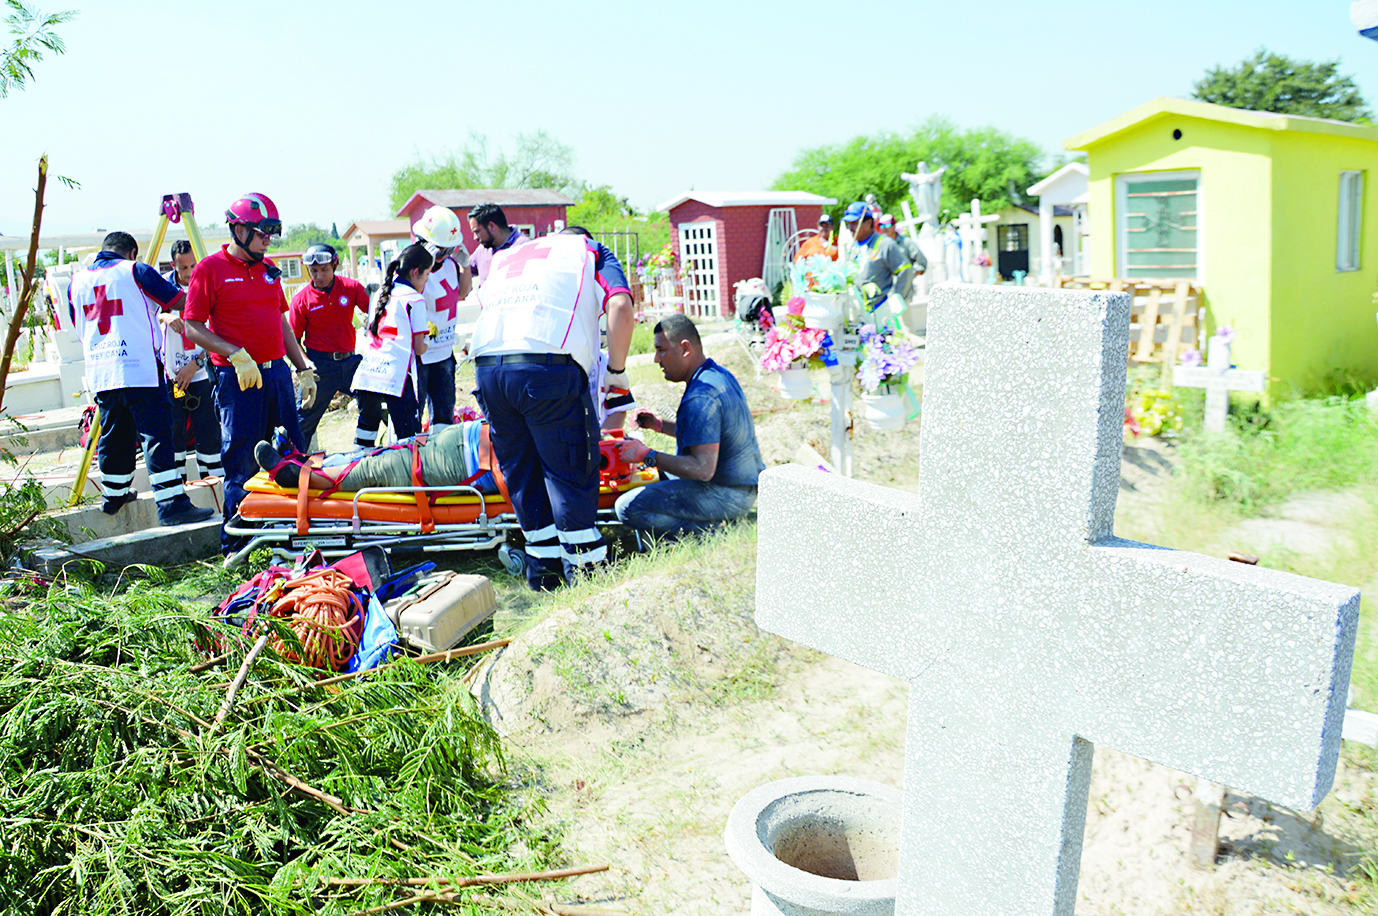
column 321, row 315
column 883, row 268
column 908, row 243
column 236, row 310
column 822, row 243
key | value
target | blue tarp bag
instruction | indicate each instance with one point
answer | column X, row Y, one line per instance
column 379, row 639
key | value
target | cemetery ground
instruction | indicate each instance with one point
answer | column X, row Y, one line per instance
column 636, row 709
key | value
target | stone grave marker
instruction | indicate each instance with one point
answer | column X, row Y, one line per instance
column 1219, row 380
column 1028, row 631
column 972, row 229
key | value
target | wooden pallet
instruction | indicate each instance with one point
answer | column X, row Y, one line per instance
column 1163, row 322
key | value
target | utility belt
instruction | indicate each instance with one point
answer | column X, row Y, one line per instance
column 507, row 359
column 328, row 356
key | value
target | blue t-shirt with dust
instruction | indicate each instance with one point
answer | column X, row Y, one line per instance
column 714, row 409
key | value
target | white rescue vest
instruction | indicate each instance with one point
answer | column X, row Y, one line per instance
column 442, row 310
column 388, row 360
column 178, row 350
column 120, row 335
column 543, row 296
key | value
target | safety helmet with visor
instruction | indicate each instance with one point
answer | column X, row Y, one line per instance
column 256, row 212
column 320, row 253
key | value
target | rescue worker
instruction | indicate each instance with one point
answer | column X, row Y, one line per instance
column 113, row 305
column 535, row 347
column 489, row 225
column 440, row 231
column 390, row 343
column 236, row 310
column 194, row 420
column 884, row 274
column 322, row 317
column 907, row 243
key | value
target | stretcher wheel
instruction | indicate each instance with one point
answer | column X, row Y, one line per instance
column 513, row 560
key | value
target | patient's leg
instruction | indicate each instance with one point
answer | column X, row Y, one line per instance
column 289, row 474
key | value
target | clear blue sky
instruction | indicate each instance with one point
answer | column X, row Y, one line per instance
column 316, row 104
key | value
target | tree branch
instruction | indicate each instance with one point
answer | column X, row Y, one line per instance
column 26, row 288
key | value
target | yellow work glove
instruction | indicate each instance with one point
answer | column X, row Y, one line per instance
column 306, row 381
column 246, row 369
column 431, row 330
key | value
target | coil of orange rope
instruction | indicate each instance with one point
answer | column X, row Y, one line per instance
column 326, row 616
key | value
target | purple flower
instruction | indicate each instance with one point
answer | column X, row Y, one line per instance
column 1225, row 332
column 1190, row 358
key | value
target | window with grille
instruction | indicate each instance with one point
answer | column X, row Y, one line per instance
column 1350, row 221
column 1014, row 237
column 1160, row 224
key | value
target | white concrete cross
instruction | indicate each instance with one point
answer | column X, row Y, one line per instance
column 971, row 227
column 1028, row 631
column 1219, row 380
column 911, row 223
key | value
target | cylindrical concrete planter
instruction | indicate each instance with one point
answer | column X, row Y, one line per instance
column 818, row 846
column 823, row 311
column 884, row 408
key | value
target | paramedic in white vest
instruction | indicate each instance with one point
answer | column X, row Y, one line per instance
column 185, row 366
column 440, row 230
column 114, row 305
column 535, row 344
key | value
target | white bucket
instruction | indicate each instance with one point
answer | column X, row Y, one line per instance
column 884, row 409
column 823, row 311
column 794, row 384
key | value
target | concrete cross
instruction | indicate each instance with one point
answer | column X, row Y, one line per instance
column 103, row 309
column 911, row 223
column 1219, row 380
column 1028, row 631
column 971, row 227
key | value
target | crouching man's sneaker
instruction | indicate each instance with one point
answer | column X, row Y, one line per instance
column 180, row 511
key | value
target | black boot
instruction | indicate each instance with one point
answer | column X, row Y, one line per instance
column 180, row 511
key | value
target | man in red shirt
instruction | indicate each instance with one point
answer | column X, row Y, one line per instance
column 237, row 312
column 322, row 316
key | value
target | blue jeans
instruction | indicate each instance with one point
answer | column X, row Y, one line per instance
column 332, row 377
column 438, row 389
column 246, row 419
column 674, row 507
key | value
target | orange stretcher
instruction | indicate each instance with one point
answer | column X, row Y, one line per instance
column 413, row 518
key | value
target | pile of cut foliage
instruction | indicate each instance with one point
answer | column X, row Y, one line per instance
column 120, row 793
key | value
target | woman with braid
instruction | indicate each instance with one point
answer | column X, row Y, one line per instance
column 390, row 342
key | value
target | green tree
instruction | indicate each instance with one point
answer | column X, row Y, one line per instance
column 538, row 161
column 300, row 236
column 33, row 34
column 982, row 163
column 1271, row 82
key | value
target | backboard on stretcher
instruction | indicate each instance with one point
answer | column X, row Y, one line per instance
column 460, row 518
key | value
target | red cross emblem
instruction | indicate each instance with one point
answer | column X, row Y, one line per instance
column 516, row 260
column 449, row 299
column 103, row 309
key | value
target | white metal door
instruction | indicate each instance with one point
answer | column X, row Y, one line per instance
column 698, row 253
column 781, row 226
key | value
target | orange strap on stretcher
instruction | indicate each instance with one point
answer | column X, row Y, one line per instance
column 304, row 492
column 423, row 499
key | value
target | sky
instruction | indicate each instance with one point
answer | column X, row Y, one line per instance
column 317, row 104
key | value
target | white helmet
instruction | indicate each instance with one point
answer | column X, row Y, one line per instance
column 439, row 227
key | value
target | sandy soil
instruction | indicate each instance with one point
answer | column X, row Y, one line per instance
column 643, row 713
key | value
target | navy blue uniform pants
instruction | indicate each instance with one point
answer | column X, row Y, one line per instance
column 332, row 376
column 247, row 418
column 438, row 390
column 545, row 436
column 403, row 412
column 130, row 417
column 196, row 425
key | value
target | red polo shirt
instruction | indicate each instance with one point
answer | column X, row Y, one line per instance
column 327, row 318
column 238, row 301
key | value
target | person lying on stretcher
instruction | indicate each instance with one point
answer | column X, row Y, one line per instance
column 448, row 458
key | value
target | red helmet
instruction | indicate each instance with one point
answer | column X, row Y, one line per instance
column 255, row 211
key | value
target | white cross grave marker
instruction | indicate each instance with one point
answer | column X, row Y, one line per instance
column 1219, row 380
column 971, row 227
column 1028, row 631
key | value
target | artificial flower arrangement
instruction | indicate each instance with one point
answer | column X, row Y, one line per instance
column 650, row 266
column 886, row 358
column 1153, row 412
column 982, row 259
column 789, row 342
column 821, row 274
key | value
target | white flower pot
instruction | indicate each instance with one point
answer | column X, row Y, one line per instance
column 795, row 385
column 823, row 311
column 884, row 409
column 818, row 846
